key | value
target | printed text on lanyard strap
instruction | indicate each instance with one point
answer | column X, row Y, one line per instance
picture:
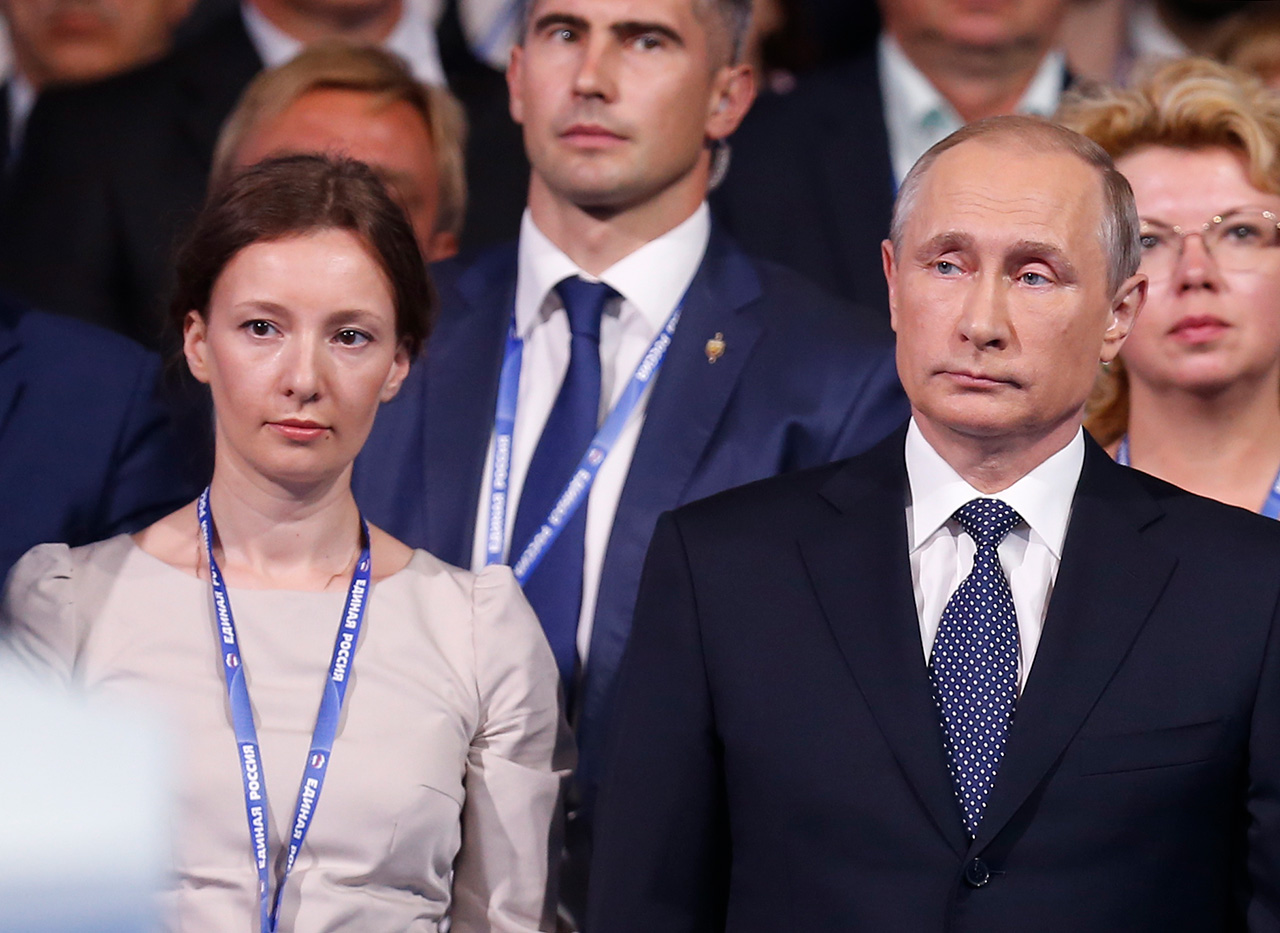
column 1270, row 508
column 584, row 476
column 335, row 692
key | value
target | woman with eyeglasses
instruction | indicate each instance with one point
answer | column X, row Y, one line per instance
column 1195, row 395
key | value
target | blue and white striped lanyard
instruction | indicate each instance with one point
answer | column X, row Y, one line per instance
column 1270, row 508
column 335, row 692
column 575, row 491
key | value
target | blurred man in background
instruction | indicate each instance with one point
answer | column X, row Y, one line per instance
column 110, row 172
column 814, row 172
column 364, row 102
column 73, row 41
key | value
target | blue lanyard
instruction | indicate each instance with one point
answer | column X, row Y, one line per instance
column 575, row 491
column 1270, row 508
column 335, row 691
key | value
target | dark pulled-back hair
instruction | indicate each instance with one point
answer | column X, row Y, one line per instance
column 293, row 196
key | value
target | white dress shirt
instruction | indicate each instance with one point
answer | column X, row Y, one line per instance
column 917, row 116
column 942, row 552
column 413, row 39
column 651, row 281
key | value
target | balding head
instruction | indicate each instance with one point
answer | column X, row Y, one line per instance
column 1119, row 230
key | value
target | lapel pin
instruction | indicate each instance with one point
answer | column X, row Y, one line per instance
column 715, row 348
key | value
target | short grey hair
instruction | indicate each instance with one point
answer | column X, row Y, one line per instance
column 734, row 15
column 1119, row 232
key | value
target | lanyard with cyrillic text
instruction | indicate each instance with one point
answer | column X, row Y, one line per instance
column 335, row 692
column 575, row 491
column 1270, row 508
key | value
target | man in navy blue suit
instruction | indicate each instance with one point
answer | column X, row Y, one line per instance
column 623, row 309
column 980, row 678
column 86, row 447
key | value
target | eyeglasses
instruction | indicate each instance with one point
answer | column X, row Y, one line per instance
column 1238, row 241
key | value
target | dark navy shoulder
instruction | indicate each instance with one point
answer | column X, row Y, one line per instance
column 62, row 338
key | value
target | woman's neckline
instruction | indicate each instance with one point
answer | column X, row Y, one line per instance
column 161, row 562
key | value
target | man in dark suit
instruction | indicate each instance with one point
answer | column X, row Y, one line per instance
column 55, row 43
column 111, row 173
column 814, row 172
column 980, row 678
column 761, row 373
column 86, row 450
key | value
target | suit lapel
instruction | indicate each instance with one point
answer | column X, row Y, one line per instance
column 464, row 360
column 858, row 566
column 217, row 66
column 688, row 401
column 1107, row 584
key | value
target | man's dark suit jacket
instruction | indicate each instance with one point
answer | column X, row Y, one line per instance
column 111, row 175
column 779, row 764
column 797, row 385
column 86, row 450
column 811, row 185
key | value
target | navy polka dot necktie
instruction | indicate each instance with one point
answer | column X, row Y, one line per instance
column 974, row 667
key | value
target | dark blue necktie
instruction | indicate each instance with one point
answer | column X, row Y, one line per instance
column 974, row 667
column 554, row 588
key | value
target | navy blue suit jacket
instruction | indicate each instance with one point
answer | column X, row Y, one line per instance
column 779, row 762
column 798, row 385
column 811, row 183
column 86, row 447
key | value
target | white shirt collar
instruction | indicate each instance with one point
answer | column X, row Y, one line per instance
column 1149, row 36
column 652, row 279
column 917, row 115
column 413, row 39
column 22, row 97
column 1043, row 497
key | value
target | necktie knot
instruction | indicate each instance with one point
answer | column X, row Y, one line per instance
column 584, row 304
column 987, row 520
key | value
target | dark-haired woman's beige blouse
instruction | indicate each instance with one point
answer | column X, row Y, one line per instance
column 440, row 788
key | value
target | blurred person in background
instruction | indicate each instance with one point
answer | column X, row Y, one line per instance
column 112, row 173
column 74, row 41
column 813, row 174
column 1251, row 42
column 363, row 102
column 1112, row 41
column 1195, row 395
column 303, row 298
column 778, row 48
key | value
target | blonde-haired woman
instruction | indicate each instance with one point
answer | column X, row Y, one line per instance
column 1195, row 395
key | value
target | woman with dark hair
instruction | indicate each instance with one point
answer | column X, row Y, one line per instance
column 365, row 733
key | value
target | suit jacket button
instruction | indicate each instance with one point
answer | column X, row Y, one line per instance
column 976, row 873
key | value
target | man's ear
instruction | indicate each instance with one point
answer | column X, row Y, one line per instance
column 195, row 346
column 1125, row 307
column 733, row 92
column 889, row 261
column 514, row 76
column 443, row 245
